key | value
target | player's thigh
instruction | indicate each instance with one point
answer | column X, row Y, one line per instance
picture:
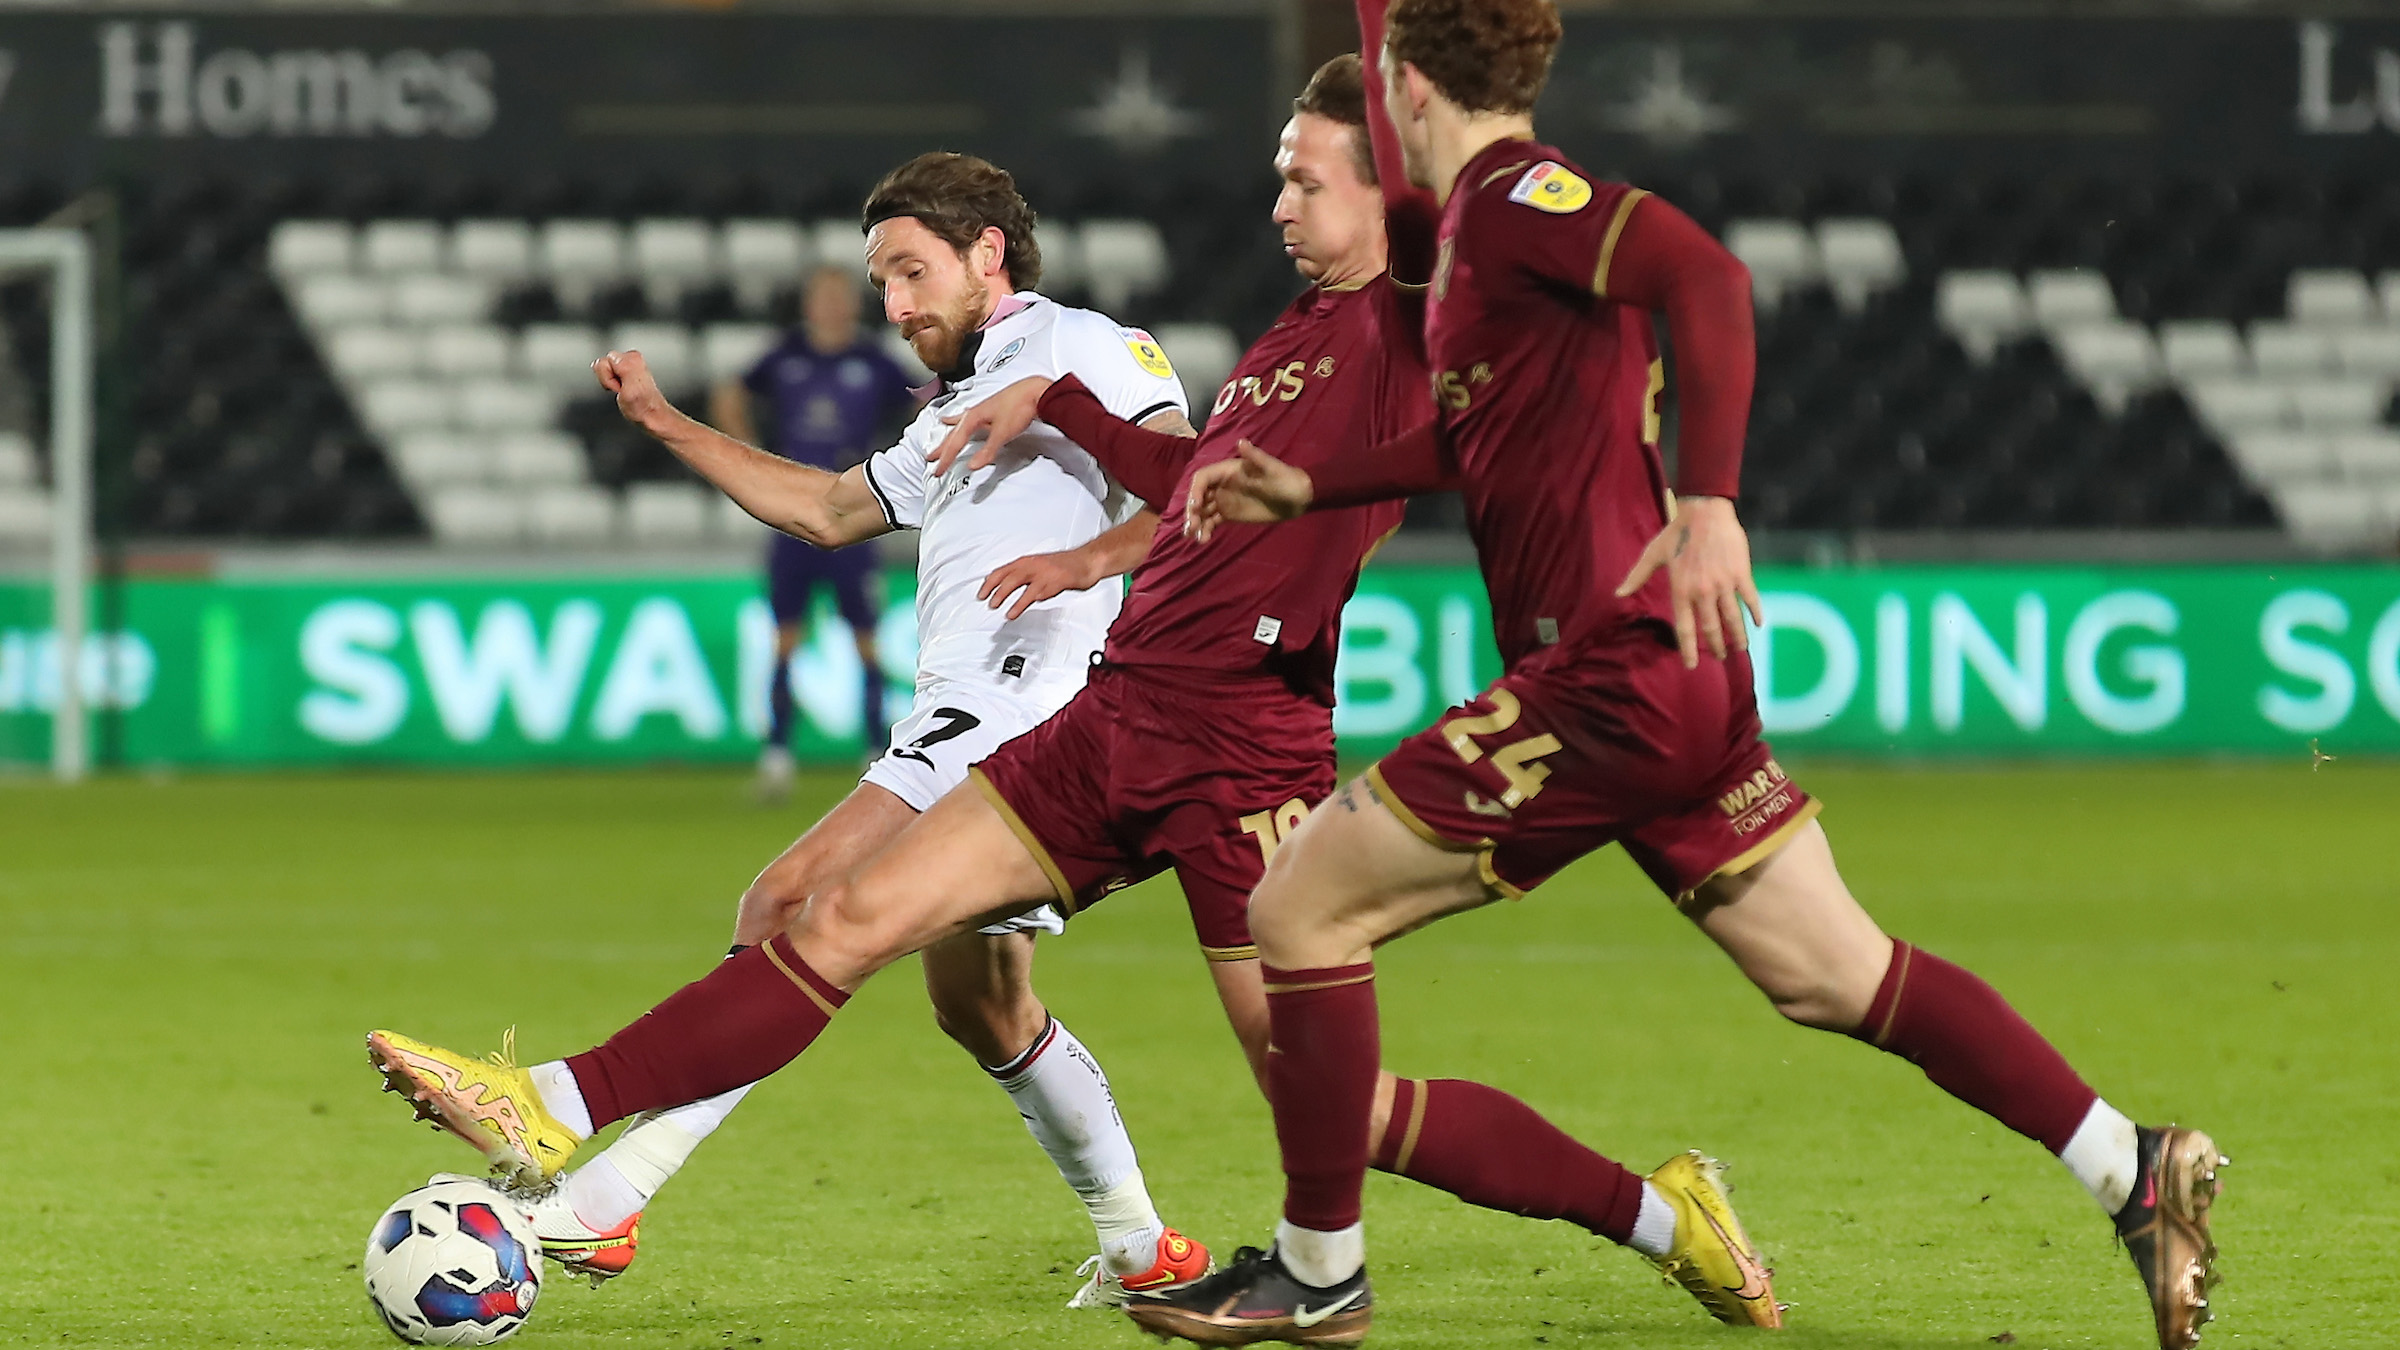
column 841, row 839
column 1791, row 924
column 1354, row 875
column 957, row 867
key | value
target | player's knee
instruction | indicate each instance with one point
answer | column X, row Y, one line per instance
column 842, row 917
column 1820, row 999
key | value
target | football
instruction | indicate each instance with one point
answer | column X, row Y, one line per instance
column 454, row 1262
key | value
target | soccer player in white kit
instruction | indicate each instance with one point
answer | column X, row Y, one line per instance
column 1010, row 614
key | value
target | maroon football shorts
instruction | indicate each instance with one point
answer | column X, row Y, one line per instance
column 1148, row 769
column 1607, row 742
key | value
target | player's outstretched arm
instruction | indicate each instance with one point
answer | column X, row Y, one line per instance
column 1256, row 488
column 1147, row 459
column 1037, row 577
column 1666, row 263
column 825, row 509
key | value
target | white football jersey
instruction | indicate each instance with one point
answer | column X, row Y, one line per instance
column 1044, row 494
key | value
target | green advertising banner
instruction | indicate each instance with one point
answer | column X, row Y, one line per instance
column 1919, row 662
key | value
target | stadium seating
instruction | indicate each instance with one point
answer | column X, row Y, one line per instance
column 380, row 357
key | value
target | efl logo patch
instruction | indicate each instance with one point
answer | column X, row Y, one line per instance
column 1553, row 187
column 1146, row 350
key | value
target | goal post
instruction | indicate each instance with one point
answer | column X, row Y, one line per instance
column 65, row 257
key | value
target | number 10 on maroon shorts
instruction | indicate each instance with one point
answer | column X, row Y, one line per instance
column 1148, row 769
column 1606, row 742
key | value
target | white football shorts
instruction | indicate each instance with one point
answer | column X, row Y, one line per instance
column 953, row 725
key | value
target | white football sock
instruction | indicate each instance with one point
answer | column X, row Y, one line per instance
column 2104, row 1155
column 618, row 1184
column 555, row 1083
column 1063, row 1095
column 1133, row 1253
column 1321, row 1260
column 1654, row 1231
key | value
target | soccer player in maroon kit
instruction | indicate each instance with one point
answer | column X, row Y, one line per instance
column 1201, row 741
column 1606, row 727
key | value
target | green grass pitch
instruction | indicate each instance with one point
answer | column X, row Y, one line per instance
column 192, row 1144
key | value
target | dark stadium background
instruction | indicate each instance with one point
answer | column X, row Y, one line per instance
column 2040, row 284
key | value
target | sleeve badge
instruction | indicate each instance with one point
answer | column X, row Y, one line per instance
column 1553, row 187
column 1148, row 353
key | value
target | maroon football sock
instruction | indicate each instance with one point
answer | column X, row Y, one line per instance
column 1489, row 1149
column 1323, row 1055
column 1975, row 1047
column 749, row 1017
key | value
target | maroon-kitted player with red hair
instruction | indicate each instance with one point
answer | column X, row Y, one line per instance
column 1607, row 727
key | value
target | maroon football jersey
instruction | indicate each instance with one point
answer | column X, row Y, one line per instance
column 1268, row 599
column 1547, row 394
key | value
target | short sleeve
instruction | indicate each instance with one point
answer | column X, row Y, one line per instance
column 896, row 476
column 1125, row 368
column 1547, row 219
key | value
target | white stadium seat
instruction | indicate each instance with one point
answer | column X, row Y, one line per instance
column 761, row 257
column 839, row 242
column 1781, row 256
column 1981, row 310
column 24, row 515
column 1122, row 259
column 475, row 515
column 2340, row 404
column 667, row 513
column 307, row 248
column 432, row 460
column 667, row 347
column 2234, row 405
column 2331, row 516
column 335, row 300
column 2114, row 359
column 2280, row 349
column 498, row 405
column 580, row 257
column 429, row 298
column 727, row 520
column 2282, row 456
column 498, row 251
column 728, row 350
column 2371, row 352
column 571, row 515
column 393, row 408
column 2369, row 456
column 2330, row 298
column 1861, row 257
column 1203, row 354
column 671, row 257
column 1062, row 257
column 19, row 467
column 462, row 350
column 2197, row 349
column 2075, row 295
column 394, row 247
column 2387, row 289
column 372, row 352
column 539, row 456
column 560, row 355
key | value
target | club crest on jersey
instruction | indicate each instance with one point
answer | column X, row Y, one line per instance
column 1146, row 350
column 1553, row 187
column 1007, row 354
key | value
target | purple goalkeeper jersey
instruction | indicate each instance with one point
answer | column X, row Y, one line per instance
column 828, row 409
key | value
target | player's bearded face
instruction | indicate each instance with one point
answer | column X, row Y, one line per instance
column 931, row 292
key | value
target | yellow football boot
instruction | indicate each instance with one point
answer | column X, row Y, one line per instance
column 489, row 1102
column 1713, row 1258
